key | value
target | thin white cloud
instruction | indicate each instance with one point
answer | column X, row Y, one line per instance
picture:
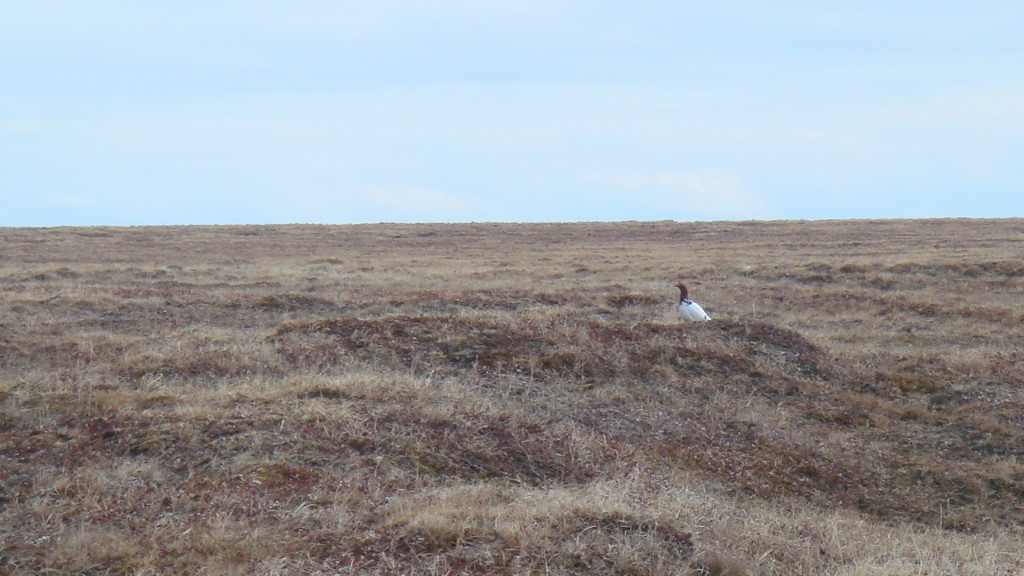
column 67, row 200
column 708, row 194
column 416, row 203
column 22, row 128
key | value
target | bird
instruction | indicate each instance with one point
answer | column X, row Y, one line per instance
column 688, row 309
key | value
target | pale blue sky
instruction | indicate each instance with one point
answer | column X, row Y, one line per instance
column 121, row 113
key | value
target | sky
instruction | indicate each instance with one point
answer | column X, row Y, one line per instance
column 187, row 112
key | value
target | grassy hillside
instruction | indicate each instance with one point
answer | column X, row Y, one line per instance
column 513, row 399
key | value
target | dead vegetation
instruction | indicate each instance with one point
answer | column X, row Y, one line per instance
column 513, row 399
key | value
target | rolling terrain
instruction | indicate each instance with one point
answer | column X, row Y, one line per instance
column 513, row 399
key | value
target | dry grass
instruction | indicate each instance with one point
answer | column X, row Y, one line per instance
column 513, row 399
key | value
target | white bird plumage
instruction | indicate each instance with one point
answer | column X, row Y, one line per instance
column 689, row 310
